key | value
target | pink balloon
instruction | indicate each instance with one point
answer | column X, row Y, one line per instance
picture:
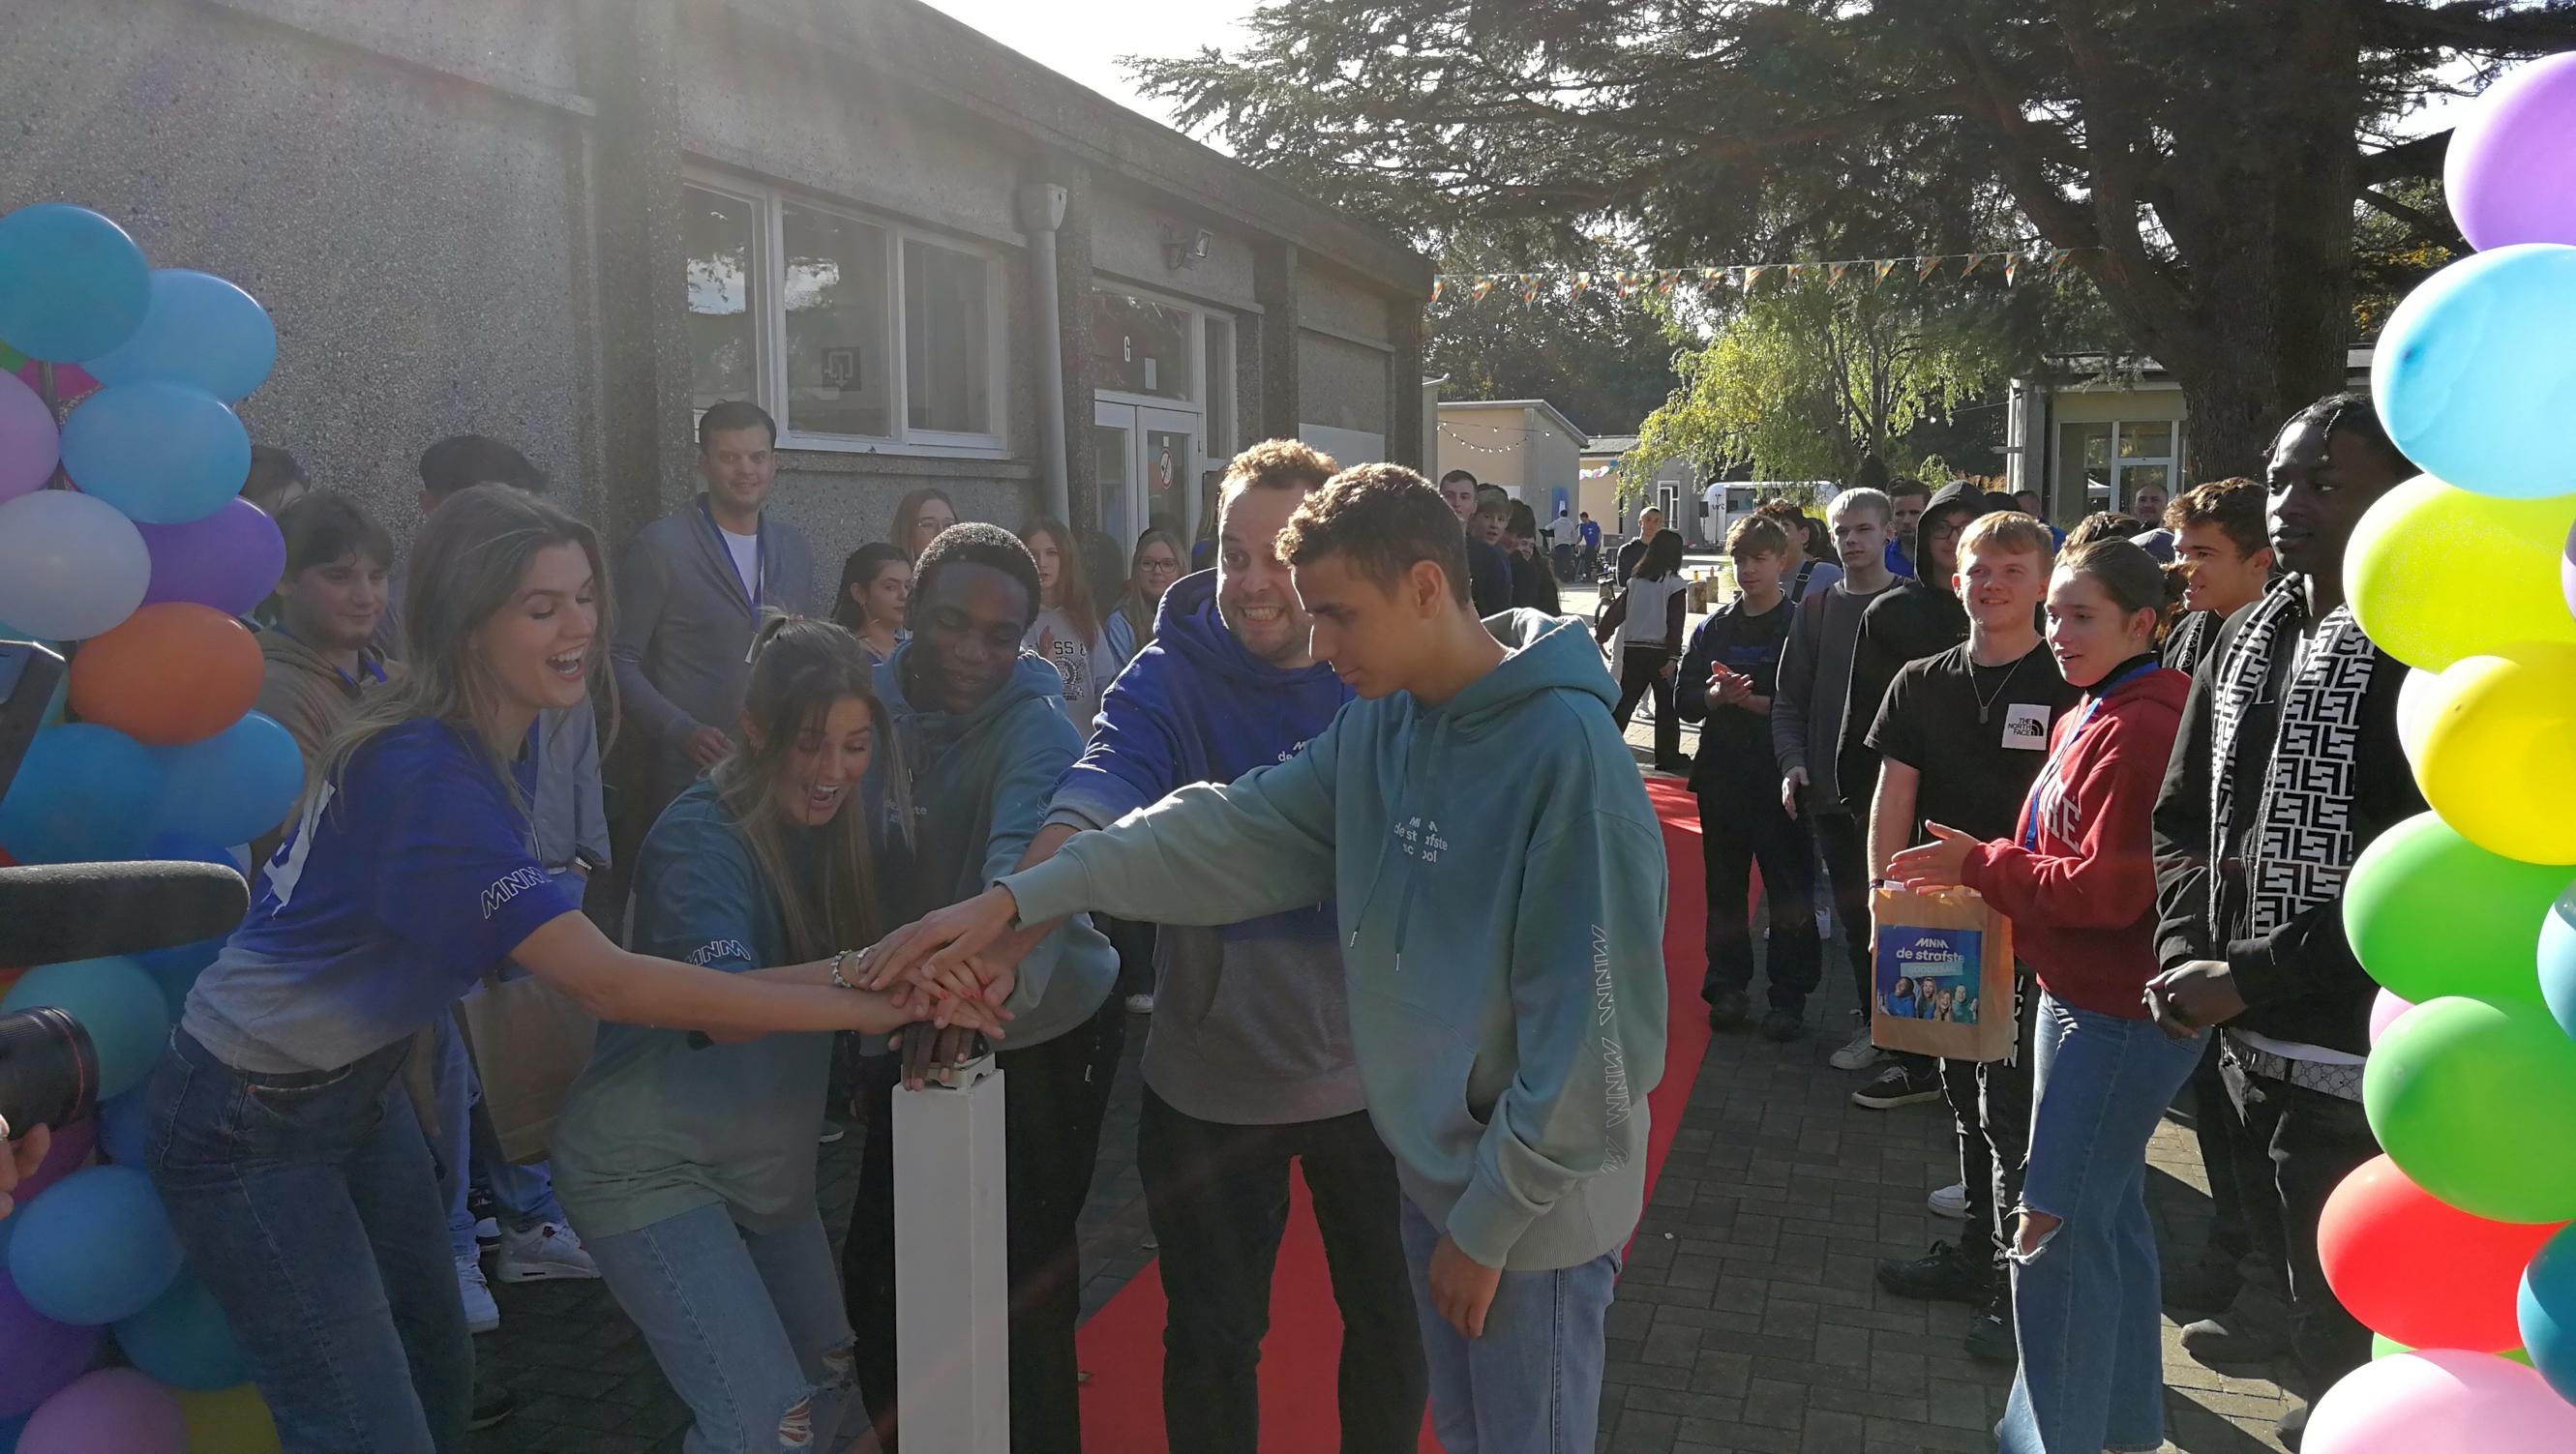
column 30, row 445
column 2440, row 1401
column 2384, row 1012
column 2510, row 173
column 72, row 383
column 114, row 1409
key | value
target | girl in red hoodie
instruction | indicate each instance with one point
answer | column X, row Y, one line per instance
column 2080, row 887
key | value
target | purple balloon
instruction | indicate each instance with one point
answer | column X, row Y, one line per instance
column 38, row 1356
column 2511, row 170
column 114, row 1409
column 29, row 443
column 229, row 560
column 2567, row 570
column 70, row 1152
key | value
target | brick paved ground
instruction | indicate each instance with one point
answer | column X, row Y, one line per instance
column 1747, row 1319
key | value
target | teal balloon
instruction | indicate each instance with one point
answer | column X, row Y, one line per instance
column 2545, row 1307
column 94, row 1249
column 2431, row 914
column 2473, row 1101
column 200, row 331
column 233, row 786
column 163, row 453
column 124, row 1012
column 72, row 284
column 176, row 969
column 184, row 1340
column 123, row 1137
column 2473, row 375
column 83, row 794
column 2558, row 959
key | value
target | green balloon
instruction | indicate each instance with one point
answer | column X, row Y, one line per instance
column 2431, row 914
column 2473, row 1101
column 2381, row 1345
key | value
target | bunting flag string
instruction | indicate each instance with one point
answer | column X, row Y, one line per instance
column 1710, row 277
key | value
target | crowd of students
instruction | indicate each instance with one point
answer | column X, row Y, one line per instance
column 908, row 813
column 2157, row 745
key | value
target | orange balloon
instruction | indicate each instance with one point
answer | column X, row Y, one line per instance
column 172, row 673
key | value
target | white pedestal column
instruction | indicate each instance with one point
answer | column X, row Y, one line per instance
column 952, row 1291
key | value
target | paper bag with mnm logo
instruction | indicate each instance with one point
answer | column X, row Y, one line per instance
column 1941, row 974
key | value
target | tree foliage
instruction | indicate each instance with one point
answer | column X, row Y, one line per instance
column 1605, row 360
column 2206, row 158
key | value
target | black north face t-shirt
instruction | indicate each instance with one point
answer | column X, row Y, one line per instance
column 1977, row 734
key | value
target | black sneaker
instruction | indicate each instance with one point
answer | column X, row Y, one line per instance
column 2200, row 1287
column 2233, row 1340
column 1783, row 1025
column 2293, row 1427
column 1946, row 1274
column 1900, row 1084
column 1990, row 1337
column 492, row 1405
column 1727, row 1009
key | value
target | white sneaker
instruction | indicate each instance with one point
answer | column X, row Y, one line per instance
column 482, row 1315
column 1140, row 1004
column 1950, row 1201
column 543, row 1252
column 1858, row 1053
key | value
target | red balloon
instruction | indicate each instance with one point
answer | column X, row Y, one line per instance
column 2420, row 1271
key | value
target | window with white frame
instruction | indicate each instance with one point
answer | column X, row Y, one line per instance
column 2113, row 461
column 856, row 332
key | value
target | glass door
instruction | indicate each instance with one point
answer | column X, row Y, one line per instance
column 1147, row 461
column 1113, row 459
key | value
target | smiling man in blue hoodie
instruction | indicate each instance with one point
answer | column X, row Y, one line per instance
column 1499, row 881
column 1248, row 1064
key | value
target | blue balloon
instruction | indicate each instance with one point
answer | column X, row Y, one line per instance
column 124, row 1011
column 163, row 453
column 2473, row 375
column 95, row 1248
column 184, row 1339
column 2558, row 960
column 84, row 793
column 233, row 786
column 122, row 1134
column 2546, row 1309
column 72, row 284
column 200, row 331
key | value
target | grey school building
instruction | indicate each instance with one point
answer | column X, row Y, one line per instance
column 573, row 224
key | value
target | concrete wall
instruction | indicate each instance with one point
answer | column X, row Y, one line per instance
column 419, row 239
column 1343, row 385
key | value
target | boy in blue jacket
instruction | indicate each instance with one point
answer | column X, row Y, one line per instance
column 1502, row 946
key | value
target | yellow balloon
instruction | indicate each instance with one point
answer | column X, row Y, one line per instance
column 2499, row 758
column 2419, row 701
column 2437, row 574
column 229, row 1421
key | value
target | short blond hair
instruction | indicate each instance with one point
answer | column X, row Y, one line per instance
column 2009, row 531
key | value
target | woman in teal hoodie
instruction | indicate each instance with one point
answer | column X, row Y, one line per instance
column 981, row 739
column 688, row 1165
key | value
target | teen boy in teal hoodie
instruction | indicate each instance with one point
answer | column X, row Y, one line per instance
column 1499, row 880
column 980, row 739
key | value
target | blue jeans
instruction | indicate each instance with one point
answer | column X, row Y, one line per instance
column 307, row 1205
column 464, row 1143
column 1532, row 1384
column 747, row 1326
column 2087, row 1302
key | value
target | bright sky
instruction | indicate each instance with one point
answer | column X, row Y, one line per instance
column 1085, row 41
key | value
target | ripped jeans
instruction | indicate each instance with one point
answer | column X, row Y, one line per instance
column 2087, row 1298
column 747, row 1326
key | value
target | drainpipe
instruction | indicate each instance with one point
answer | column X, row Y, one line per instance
column 1041, row 208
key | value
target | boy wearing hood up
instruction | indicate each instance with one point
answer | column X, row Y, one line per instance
column 1248, row 1063
column 980, row 740
column 1502, row 952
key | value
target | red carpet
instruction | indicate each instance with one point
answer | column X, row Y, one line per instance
column 1122, row 1346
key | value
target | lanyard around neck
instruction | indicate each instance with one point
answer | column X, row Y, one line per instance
column 370, row 668
column 2056, row 765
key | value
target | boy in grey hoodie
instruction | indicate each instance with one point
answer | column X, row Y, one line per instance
column 1507, row 1056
